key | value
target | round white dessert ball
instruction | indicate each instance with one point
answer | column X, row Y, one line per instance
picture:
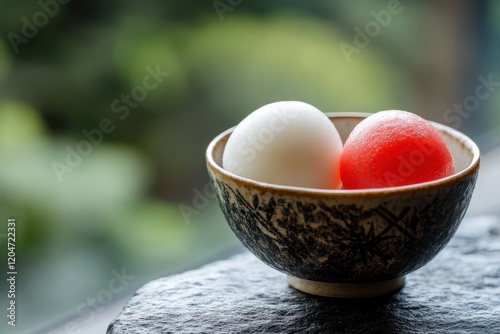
column 286, row 143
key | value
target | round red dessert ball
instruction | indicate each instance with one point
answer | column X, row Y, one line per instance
column 394, row 148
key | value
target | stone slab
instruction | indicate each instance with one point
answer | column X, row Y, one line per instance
column 457, row 292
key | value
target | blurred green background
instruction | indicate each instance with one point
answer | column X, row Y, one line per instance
column 137, row 197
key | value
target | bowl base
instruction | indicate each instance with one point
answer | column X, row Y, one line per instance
column 347, row 290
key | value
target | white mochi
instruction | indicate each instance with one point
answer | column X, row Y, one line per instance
column 286, row 143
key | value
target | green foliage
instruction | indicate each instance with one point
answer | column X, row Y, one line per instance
column 243, row 67
column 20, row 125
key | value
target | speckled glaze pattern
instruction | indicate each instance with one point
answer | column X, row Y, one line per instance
column 342, row 236
column 327, row 240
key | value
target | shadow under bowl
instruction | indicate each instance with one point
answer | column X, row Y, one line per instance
column 347, row 243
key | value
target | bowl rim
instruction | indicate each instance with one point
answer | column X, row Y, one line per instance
column 462, row 138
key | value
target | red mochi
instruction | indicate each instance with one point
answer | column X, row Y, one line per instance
column 394, row 148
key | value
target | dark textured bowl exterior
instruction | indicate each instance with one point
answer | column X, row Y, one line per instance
column 339, row 235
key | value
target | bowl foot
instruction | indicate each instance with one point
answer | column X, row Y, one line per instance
column 347, row 290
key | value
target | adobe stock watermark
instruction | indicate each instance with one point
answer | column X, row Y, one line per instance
column 95, row 304
column 363, row 37
column 455, row 115
column 408, row 164
column 121, row 107
column 248, row 150
column 223, row 6
column 31, row 26
column 201, row 200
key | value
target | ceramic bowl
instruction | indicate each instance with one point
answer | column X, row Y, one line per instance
column 346, row 243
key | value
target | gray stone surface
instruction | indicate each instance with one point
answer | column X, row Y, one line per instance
column 457, row 292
